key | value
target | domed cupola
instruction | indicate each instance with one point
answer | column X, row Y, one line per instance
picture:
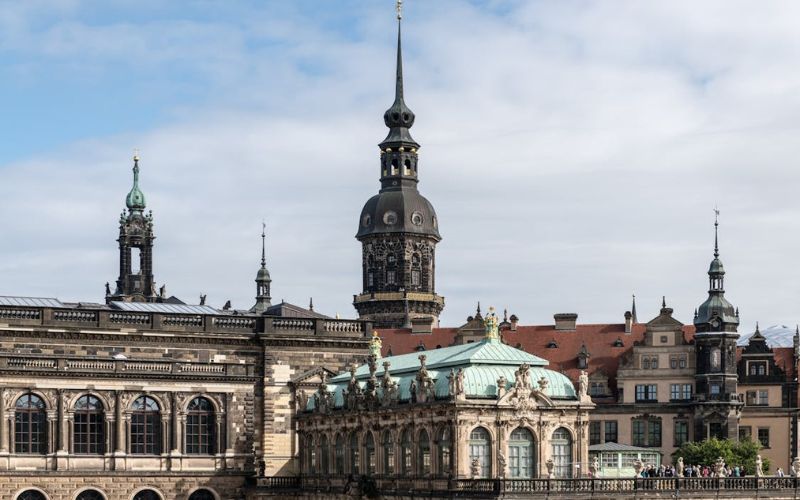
column 397, row 227
column 716, row 313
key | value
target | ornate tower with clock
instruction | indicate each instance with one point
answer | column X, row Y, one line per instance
column 716, row 320
column 398, row 229
column 135, row 282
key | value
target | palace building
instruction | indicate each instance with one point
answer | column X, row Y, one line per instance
column 142, row 396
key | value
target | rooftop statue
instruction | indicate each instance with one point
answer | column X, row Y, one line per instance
column 491, row 323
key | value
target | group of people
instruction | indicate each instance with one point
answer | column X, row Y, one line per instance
column 697, row 471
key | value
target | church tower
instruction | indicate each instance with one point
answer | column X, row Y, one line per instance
column 398, row 229
column 135, row 282
column 715, row 321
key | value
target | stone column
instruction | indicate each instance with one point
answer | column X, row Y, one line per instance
column 228, row 438
column 120, row 434
column 3, row 424
column 176, row 427
column 63, row 428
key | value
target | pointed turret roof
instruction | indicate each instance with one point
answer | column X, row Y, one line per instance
column 399, row 117
column 135, row 199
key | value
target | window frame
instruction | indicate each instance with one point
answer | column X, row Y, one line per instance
column 88, row 426
column 145, row 427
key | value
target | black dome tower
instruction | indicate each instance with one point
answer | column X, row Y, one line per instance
column 398, row 229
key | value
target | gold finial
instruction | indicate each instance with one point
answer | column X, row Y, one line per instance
column 399, row 9
column 136, row 154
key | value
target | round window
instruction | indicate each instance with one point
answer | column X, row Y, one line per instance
column 417, row 219
column 366, row 220
column 390, row 218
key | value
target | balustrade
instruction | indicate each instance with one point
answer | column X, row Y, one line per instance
column 533, row 487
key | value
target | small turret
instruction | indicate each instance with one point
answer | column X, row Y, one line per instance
column 263, row 279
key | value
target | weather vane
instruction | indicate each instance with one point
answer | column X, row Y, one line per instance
column 399, row 9
column 716, row 214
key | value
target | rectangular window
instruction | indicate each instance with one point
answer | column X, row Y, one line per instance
column 757, row 368
column 681, row 432
column 611, row 431
column 597, row 389
column 390, row 278
column 750, row 398
column 654, row 362
column 763, row 436
column 370, row 279
column 674, row 391
column 682, row 362
column 594, row 433
column 415, row 277
column 715, row 389
column 745, row 433
column 673, row 362
column 686, row 391
column 646, row 392
column 654, row 433
column 639, row 433
column 763, row 398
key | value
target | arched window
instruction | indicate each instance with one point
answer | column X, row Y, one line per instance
column 407, row 165
column 388, row 454
column 480, row 446
column 31, row 495
column 89, row 426
column 562, row 452
column 202, row 495
column 200, row 427
column 339, row 454
column 145, row 427
column 521, row 453
column 405, row 453
column 445, row 451
column 311, row 454
column 147, row 495
column 324, row 455
column 423, row 453
column 30, row 426
column 90, row 495
column 369, row 453
column 354, row 455
column 415, row 270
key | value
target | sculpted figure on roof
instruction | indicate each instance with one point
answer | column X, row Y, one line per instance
column 492, row 325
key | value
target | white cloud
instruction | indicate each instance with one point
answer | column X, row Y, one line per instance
column 573, row 151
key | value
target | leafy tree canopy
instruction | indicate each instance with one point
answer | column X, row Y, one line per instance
column 741, row 453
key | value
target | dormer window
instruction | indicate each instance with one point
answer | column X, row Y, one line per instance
column 552, row 344
column 618, row 343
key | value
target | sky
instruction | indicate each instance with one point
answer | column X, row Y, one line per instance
column 574, row 150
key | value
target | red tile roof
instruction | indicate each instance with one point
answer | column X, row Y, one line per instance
column 599, row 341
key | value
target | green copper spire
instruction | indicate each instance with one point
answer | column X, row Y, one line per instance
column 135, row 198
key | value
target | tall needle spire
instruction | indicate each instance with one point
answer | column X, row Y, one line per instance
column 263, row 244
column 716, row 226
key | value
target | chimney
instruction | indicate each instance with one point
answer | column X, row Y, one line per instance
column 422, row 324
column 566, row 321
column 628, row 322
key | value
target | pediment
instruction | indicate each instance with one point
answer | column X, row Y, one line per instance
column 312, row 377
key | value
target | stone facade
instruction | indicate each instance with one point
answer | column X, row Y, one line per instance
column 53, row 359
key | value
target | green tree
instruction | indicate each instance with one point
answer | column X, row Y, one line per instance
column 741, row 453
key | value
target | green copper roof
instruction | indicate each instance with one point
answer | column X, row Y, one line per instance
column 483, row 363
column 135, row 198
column 485, row 352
